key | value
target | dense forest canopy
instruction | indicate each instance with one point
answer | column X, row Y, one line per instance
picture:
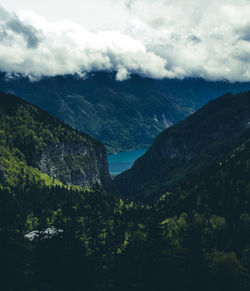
column 58, row 237
column 188, row 147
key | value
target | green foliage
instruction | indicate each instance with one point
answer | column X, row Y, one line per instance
column 30, row 129
column 122, row 115
column 27, row 134
column 205, row 138
column 17, row 174
column 195, row 237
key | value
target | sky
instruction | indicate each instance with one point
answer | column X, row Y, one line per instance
column 156, row 39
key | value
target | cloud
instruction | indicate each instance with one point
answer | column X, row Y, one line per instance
column 28, row 32
column 159, row 39
column 11, row 27
column 244, row 32
column 66, row 48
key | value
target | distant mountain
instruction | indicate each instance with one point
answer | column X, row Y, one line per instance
column 122, row 115
column 36, row 147
column 186, row 149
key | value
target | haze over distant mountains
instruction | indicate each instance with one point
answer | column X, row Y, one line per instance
column 122, row 115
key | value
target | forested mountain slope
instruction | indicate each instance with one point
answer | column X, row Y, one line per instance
column 122, row 115
column 33, row 142
column 59, row 238
column 188, row 147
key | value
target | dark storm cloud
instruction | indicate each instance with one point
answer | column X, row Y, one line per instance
column 11, row 24
column 29, row 33
column 244, row 32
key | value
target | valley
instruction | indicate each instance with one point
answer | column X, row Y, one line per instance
column 124, row 145
column 124, row 116
column 178, row 218
column 123, row 161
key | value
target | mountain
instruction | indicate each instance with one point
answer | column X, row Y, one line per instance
column 221, row 188
column 62, row 237
column 122, row 115
column 189, row 147
column 34, row 145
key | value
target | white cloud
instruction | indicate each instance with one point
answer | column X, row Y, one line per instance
column 161, row 38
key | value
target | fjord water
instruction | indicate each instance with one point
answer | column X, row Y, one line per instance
column 123, row 161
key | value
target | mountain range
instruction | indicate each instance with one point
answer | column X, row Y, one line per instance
column 178, row 220
column 188, row 147
column 122, row 115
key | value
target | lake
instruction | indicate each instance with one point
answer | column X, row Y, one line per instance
column 123, row 161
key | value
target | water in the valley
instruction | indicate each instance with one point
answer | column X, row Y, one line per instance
column 123, row 161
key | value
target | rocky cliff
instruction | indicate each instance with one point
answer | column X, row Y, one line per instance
column 75, row 164
column 30, row 137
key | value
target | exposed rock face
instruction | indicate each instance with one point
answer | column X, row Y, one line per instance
column 76, row 164
column 31, row 136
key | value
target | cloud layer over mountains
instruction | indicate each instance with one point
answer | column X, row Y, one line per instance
column 158, row 39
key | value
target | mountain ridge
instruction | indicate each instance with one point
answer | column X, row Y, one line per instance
column 209, row 133
column 123, row 115
column 194, row 238
column 31, row 136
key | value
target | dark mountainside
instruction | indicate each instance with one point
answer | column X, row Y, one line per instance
column 188, row 147
column 30, row 137
column 122, row 115
column 56, row 237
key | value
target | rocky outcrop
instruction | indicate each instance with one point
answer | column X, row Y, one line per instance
column 75, row 164
column 34, row 138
